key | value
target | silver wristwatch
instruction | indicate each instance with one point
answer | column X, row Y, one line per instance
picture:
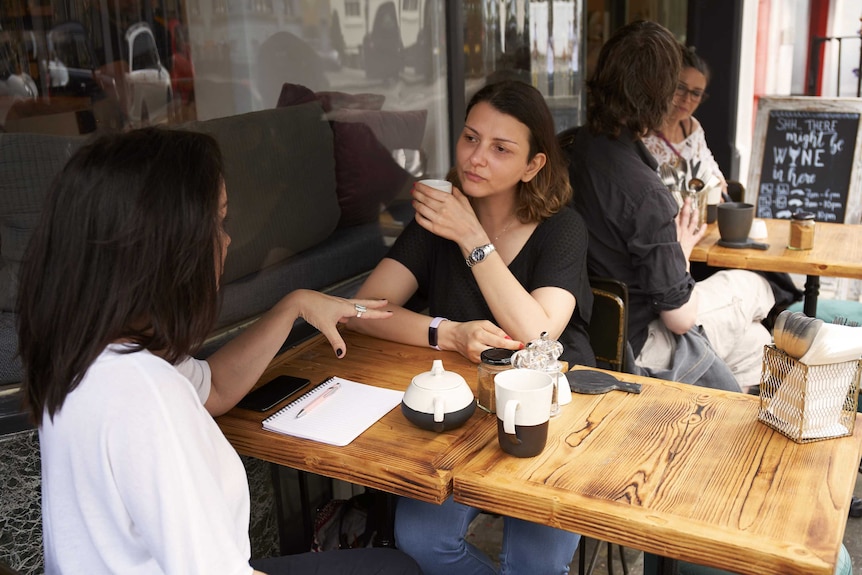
column 479, row 254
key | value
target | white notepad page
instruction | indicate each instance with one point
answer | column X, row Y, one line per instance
column 341, row 418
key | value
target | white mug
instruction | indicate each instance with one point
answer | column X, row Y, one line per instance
column 523, row 398
column 442, row 185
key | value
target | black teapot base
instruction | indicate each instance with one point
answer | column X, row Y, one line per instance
column 451, row 420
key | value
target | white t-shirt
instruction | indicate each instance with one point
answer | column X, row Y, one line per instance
column 137, row 478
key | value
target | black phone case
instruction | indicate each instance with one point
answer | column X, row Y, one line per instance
column 272, row 393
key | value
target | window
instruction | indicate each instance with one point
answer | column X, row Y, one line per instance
column 352, row 8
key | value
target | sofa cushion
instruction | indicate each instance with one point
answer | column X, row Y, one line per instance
column 280, row 179
column 367, row 175
column 342, row 100
column 293, row 94
column 28, row 165
column 394, row 129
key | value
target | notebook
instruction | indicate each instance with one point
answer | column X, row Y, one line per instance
column 337, row 419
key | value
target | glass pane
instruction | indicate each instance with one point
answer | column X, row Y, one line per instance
column 144, row 53
column 537, row 41
column 225, row 57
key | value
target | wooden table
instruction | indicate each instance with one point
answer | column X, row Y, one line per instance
column 682, row 472
column 837, row 252
column 393, row 455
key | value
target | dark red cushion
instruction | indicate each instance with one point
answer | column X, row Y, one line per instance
column 366, row 176
column 394, row 129
column 344, row 101
column 293, row 95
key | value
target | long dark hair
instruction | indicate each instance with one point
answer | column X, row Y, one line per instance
column 126, row 250
column 549, row 190
column 634, row 80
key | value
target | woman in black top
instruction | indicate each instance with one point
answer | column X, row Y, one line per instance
column 502, row 258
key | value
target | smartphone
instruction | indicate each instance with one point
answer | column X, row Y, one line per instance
column 272, row 393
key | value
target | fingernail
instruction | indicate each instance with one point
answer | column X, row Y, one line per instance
column 339, row 352
column 521, row 346
column 507, row 337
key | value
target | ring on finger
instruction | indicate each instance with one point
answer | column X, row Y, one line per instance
column 360, row 309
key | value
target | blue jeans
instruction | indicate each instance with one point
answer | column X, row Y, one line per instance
column 434, row 536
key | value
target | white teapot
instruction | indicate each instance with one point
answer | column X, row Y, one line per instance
column 438, row 400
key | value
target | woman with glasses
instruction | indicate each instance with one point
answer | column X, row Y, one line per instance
column 681, row 137
column 680, row 140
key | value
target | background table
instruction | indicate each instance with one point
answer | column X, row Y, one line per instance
column 393, row 455
column 682, row 472
column 837, row 252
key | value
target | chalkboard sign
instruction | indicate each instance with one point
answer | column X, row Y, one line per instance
column 805, row 158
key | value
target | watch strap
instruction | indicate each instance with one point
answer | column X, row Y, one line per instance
column 432, row 331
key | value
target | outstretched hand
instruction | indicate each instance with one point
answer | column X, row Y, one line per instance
column 325, row 312
column 688, row 228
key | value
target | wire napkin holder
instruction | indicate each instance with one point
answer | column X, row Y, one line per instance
column 808, row 402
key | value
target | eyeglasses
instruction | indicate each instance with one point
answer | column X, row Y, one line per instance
column 697, row 95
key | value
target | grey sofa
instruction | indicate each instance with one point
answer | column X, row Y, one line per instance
column 287, row 224
column 304, row 213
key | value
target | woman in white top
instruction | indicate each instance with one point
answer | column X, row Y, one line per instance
column 118, row 288
column 682, row 138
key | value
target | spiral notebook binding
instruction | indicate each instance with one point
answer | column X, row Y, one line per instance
column 301, row 399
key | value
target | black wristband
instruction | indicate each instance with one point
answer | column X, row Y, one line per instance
column 432, row 331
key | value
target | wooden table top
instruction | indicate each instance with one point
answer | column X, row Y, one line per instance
column 837, row 251
column 682, row 472
column 393, row 455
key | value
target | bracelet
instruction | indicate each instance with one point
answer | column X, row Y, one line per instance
column 432, row 331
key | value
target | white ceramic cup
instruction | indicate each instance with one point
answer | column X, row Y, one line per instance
column 758, row 230
column 442, row 185
column 523, row 398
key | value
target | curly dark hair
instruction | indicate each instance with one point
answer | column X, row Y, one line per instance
column 635, row 79
column 126, row 250
column 549, row 190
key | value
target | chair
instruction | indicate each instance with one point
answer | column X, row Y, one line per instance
column 608, row 328
column 608, row 333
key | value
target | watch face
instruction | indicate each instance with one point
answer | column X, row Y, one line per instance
column 478, row 255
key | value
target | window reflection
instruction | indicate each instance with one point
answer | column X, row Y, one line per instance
column 536, row 41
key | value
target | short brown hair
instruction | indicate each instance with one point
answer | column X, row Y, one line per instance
column 549, row 190
column 635, row 79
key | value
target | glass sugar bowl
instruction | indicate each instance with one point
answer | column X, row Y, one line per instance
column 543, row 355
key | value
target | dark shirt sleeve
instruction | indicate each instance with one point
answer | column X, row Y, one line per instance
column 558, row 258
column 657, row 254
column 412, row 249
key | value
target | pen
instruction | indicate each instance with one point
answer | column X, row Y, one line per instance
column 319, row 399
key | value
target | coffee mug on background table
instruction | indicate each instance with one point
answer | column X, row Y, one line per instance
column 734, row 221
column 442, row 185
column 523, row 398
